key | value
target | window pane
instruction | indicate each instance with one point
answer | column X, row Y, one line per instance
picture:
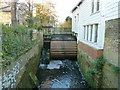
column 93, row 6
column 98, row 5
column 84, row 31
column 96, row 32
column 87, row 32
column 91, row 32
column 78, row 17
column 75, row 18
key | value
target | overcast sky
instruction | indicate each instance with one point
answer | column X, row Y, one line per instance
column 63, row 7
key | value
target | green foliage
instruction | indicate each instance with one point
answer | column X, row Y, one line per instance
column 30, row 22
column 16, row 39
column 39, row 28
column 96, row 70
column 115, row 69
column 99, row 62
column 92, row 71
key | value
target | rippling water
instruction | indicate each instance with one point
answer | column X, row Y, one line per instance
column 60, row 74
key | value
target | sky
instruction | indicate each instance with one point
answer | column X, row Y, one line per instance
column 63, row 7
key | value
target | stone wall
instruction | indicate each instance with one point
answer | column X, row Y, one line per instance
column 17, row 74
column 0, row 56
column 85, row 63
column 111, row 41
column 111, row 53
column 110, row 70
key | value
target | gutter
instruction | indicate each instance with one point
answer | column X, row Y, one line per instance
column 77, row 6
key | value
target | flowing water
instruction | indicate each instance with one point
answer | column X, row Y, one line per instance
column 59, row 74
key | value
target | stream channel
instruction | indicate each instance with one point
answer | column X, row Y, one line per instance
column 59, row 73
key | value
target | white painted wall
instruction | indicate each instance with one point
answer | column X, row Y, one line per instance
column 108, row 10
column 111, row 9
column 75, row 22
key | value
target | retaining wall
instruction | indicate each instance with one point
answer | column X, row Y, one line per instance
column 21, row 73
column 87, row 55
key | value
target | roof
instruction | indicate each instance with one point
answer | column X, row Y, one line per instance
column 6, row 8
column 77, row 5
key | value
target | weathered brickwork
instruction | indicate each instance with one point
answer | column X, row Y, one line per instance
column 90, row 51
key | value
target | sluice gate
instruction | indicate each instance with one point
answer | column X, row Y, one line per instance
column 63, row 46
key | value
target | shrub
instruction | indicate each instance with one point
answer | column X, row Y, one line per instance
column 16, row 39
column 39, row 28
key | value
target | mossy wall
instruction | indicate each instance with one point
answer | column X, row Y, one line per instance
column 18, row 73
column 85, row 63
column 111, row 53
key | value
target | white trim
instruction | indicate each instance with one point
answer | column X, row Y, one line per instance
column 93, row 45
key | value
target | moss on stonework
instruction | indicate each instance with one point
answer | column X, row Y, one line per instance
column 33, row 78
column 91, row 69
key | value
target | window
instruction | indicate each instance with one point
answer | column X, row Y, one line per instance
column 91, row 32
column 92, row 6
column 75, row 18
column 96, row 32
column 78, row 17
column 87, row 32
column 95, row 5
column 98, row 5
column 84, row 31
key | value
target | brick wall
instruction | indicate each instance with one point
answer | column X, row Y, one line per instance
column 90, row 51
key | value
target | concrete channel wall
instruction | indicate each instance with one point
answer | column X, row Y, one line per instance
column 110, row 70
column 21, row 73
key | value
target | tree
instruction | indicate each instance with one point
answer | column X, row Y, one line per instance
column 13, row 12
column 30, row 7
column 22, row 13
column 46, row 13
column 67, row 23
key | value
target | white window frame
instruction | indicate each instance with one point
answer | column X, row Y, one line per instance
column 95, row 6
column 91, row 33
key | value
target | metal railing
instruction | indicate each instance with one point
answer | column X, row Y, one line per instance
column 57, row 30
